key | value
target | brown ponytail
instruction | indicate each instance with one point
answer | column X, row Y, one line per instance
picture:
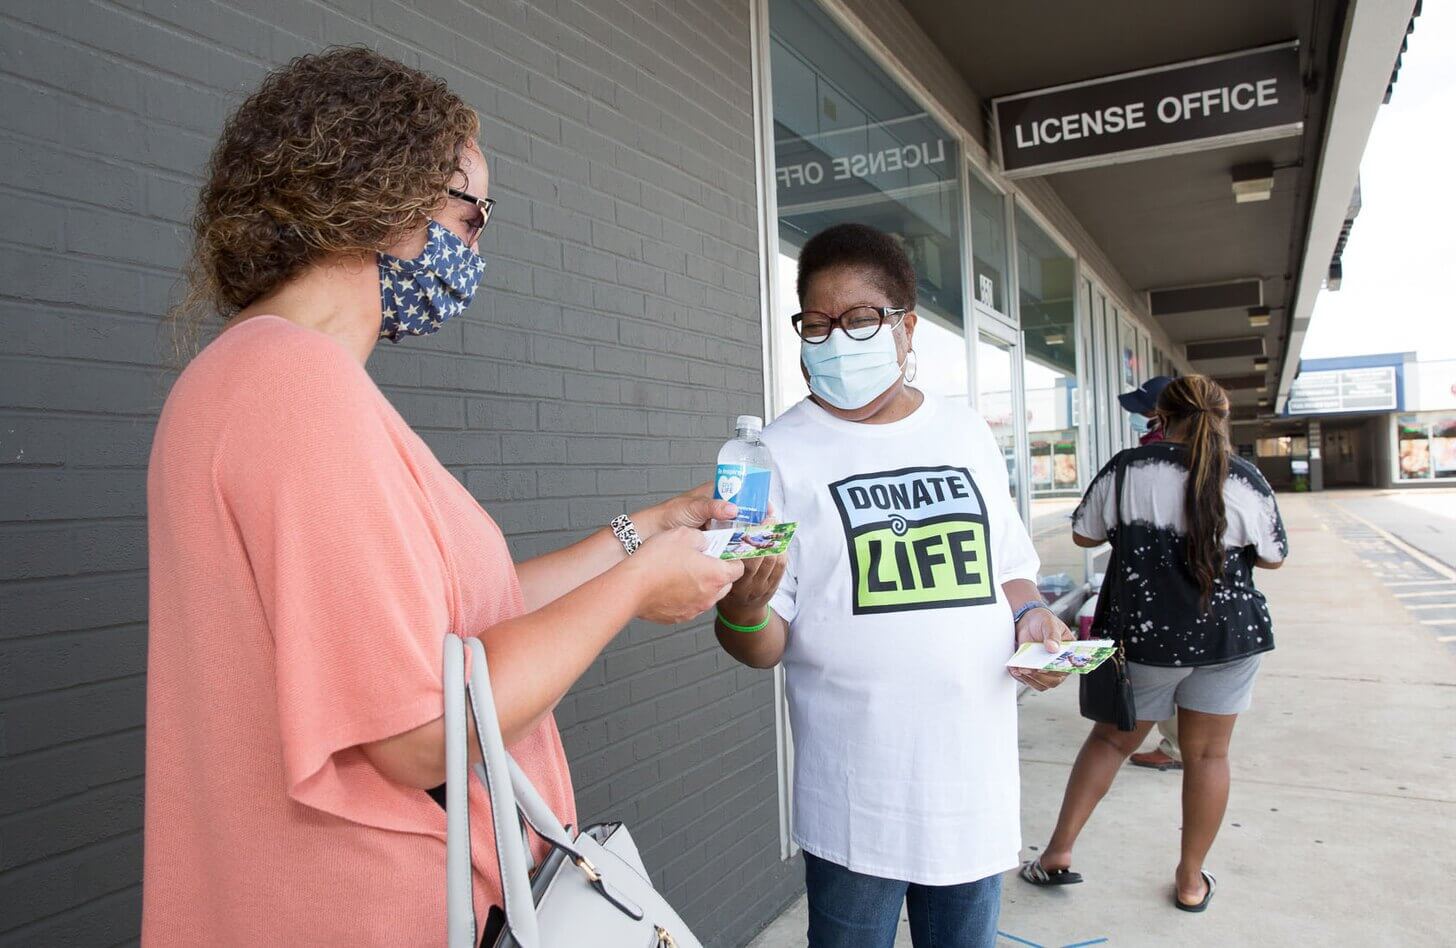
column 1197, row 408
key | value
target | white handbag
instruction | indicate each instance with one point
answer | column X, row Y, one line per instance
column 590, row 892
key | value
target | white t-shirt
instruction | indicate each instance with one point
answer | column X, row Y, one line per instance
column 903, row 713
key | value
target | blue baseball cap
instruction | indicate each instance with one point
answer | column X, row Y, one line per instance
column 1142, row 400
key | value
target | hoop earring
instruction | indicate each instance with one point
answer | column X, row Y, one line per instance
column 914, row 367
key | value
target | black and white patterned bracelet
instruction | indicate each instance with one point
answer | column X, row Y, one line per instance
column 626, row 533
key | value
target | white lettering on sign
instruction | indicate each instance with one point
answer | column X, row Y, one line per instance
column 1113, row 119
column 863, row 164
column 1170, row 110
column 1221, row 101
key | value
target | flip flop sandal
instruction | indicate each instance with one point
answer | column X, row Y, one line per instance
column 1032, row 872
column 1163, row 767
column 1207, row 897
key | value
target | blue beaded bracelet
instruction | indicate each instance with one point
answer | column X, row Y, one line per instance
column 1026, row 607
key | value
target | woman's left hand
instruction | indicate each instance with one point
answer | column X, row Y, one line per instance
column 693, row 509
column 1041, row 625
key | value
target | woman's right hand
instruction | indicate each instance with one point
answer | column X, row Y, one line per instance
column 680, row 581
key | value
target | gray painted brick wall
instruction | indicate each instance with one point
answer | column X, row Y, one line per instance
column 591, row 377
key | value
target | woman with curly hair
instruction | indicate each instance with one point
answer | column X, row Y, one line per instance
column 309, row 552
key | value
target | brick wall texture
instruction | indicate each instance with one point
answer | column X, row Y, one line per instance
column 617, row 336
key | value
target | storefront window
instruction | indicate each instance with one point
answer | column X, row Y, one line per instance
column 1094, row 348
column 1130, row 375
column 1427, row 446
column 1087, row 407
column 851, row 145
column 1047, row 283
column 1145, row 357
column 1272, row 447
column 988, row 246
column 1049, row 329
column 995, row 401
column 1117, row 426
column 1287, row 446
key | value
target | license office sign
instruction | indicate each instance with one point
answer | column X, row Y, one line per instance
column 1223, row 100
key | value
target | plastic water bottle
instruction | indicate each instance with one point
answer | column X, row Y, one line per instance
column 745, row 470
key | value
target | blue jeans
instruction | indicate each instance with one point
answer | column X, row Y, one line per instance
column 848, row 909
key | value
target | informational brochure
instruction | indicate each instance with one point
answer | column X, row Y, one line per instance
column 739, row 543
column 1078, row 658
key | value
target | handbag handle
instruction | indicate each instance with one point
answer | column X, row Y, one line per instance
column 496, row 774
column 511, row 795
column 1115, row 564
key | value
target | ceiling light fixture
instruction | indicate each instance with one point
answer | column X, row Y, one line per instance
column 1055, row 339
column 1254, row 182
column 1258, row 316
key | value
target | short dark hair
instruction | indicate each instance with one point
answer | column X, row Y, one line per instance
column 861, row 247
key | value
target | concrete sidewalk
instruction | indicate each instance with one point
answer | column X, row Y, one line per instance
column 1343, row 811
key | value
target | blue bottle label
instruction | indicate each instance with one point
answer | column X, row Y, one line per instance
column 745, row 486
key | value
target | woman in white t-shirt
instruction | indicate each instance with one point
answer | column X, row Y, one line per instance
column 910, row 582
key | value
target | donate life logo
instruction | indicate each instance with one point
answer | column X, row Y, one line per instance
column 918, row 538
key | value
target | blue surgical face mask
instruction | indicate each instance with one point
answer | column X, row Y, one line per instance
column 418, row 295
column 1141, row 424
column 849, row 373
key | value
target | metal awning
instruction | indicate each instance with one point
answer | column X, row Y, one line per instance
column 1172, row 221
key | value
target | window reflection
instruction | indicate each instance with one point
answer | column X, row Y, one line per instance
column 988, row 245
column 1131, row 376
column 1049, row 331
column 851, row 145
column 1047, row 284
column 995, row 402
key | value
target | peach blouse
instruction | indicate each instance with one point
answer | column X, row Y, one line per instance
column 308, row 553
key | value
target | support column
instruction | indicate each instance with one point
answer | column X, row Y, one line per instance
column 1316, row 457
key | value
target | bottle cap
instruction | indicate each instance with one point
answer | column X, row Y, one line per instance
column 750, row 422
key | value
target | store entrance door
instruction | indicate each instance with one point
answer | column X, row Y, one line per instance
column 1349, row 454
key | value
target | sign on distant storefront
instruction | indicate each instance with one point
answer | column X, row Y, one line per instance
column 1342, row 390
column 1222, row 100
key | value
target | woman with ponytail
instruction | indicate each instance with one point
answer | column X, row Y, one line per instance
column 1195, row 521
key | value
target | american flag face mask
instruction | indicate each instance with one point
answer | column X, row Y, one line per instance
column 417, row 295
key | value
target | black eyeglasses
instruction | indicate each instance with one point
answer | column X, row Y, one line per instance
column 485, row 205
column 859, row 323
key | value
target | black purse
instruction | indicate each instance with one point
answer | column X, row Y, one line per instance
column 1105, row 694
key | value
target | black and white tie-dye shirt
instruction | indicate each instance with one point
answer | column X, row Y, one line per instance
column 1158, row 611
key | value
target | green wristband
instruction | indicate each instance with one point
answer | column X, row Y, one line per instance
column 768, row 614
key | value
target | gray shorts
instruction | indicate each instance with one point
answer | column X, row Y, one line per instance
column 1212, row 689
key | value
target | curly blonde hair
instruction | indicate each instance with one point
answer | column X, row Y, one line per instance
column 342, row 151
